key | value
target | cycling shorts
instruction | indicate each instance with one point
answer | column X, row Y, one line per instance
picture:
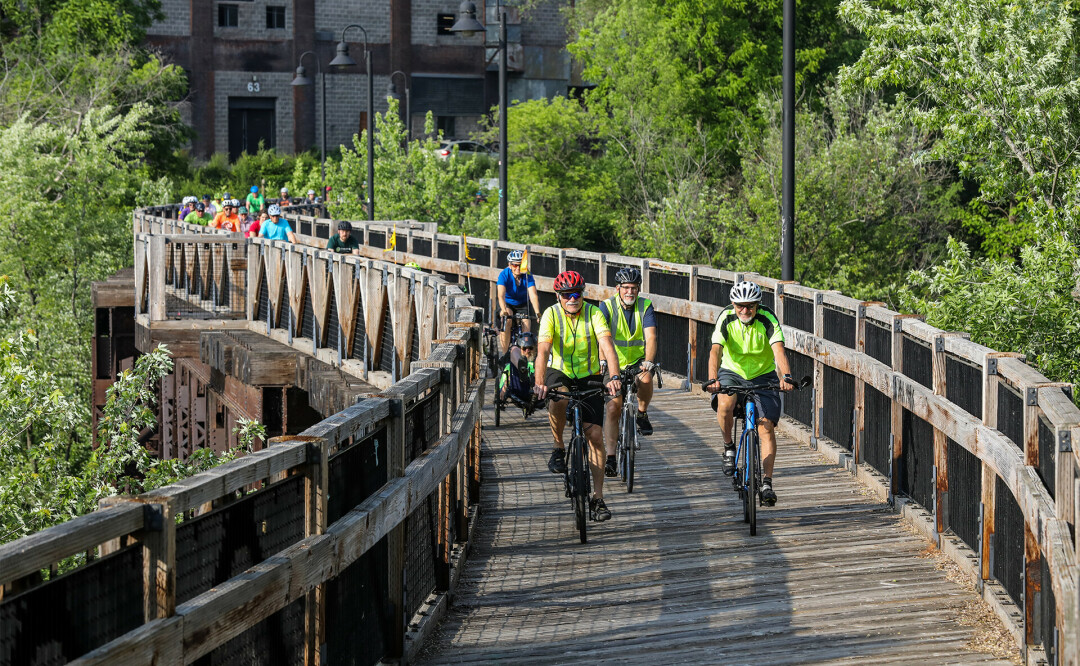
column 768, row 401
column 592, row 409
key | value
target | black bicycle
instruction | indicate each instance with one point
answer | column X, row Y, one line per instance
column 492, row 350
column 627, row 446
column 577, row 479
column 747, row 479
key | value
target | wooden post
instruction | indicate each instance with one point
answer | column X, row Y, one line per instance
column 158, row 538
column 395, row 539
column 1032, row 555
column 562, row 261
column 819, row 367
column 645, row 287
column 602, row 270
column 860, row 386
column 692, row 326
column 941, row 453
column 316, row 489
column 156, row 277
column 989, row 478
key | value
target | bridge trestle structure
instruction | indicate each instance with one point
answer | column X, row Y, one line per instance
column 973, row 444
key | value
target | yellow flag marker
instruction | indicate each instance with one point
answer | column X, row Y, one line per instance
column 391, row 243
column 468, row 257
column 525, row 261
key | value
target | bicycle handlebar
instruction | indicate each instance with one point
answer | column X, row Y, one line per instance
column 747, row 390
column 592, row 388
column 629, row 374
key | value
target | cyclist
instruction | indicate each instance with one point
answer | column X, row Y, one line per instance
column 255, row 201
column 277, row 227
column 633, row 330
column 748, row 350
column 228, row 219
column 198, row 216
column 343, row 242
column 515, row 291
column 577, row 337
column 519, row 369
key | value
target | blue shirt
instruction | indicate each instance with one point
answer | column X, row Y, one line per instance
column 277, row 231
column 517, row 293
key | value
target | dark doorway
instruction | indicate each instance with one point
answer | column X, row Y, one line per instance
column 251, row 120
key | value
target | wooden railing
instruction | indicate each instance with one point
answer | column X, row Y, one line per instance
column 366, row 511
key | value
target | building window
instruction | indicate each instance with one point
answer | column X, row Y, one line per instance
column 228, row 16
column 275, row 18
column 443, row 24
column 445, row 124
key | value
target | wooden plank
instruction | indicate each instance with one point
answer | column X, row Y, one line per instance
column 159, row 642
column 230, row 477
column 42, row 549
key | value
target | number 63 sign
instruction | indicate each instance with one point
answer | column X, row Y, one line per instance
column 253, row 86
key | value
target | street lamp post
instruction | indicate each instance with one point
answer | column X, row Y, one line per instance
column 787, row 204
column 302, row 80
column 408, row 111
column 342, row 59
column 467, row 25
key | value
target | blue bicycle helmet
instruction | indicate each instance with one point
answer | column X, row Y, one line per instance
column 514, row 257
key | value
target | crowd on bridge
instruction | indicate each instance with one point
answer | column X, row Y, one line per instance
column 255, row 216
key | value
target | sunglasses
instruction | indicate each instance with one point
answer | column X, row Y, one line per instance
column 571, row 295
column 748, row 306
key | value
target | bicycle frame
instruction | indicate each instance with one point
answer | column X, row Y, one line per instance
column 749, row 425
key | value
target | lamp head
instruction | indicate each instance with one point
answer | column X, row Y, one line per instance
column 342, row 59
column 301, row 77
column 467, row 25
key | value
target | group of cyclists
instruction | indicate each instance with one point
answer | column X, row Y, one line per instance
column 574, row 337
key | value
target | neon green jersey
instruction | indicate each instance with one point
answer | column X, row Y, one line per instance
column 575, row 347
column 748, row 347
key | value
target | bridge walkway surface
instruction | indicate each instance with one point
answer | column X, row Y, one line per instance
column 834, row 575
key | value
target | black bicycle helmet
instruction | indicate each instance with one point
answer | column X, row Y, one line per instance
column 526, row 340
column 628, row 275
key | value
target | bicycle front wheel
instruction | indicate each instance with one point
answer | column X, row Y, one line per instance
column 579, row 481
column 753, row 484
column 630, row 444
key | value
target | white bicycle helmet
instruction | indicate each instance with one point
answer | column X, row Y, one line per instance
column 514, row 257
column 746, row 292
column 274, row 209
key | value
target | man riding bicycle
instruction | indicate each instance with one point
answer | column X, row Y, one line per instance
column 577, row 337
column 516, row 290
column 748, row 350
column 633, row 330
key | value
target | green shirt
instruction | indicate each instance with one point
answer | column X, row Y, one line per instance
column 748, row 347
column 255, row 202
column 194, row 218
column 335, row 244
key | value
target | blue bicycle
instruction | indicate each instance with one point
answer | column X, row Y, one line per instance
column 747, row 479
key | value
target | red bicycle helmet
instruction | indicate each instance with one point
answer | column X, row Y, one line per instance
column 569, row 281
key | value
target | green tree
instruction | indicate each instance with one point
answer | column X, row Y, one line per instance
column 999, row 81
column 411, row 181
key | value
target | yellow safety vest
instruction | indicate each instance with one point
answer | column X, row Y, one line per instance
column 575, row 350
column 629, row 347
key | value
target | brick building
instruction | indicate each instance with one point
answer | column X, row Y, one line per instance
column 241, row 57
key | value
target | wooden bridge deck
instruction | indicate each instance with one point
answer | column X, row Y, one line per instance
column 674, row 577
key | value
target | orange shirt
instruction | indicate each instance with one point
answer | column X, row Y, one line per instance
column 227, row 222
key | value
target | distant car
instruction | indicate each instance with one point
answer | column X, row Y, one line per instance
column 467, row 149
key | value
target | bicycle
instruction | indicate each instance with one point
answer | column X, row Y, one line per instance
column 747, row 479
column 492, row 349
column 627, row 444
column 577, row 479
column 527, row 405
